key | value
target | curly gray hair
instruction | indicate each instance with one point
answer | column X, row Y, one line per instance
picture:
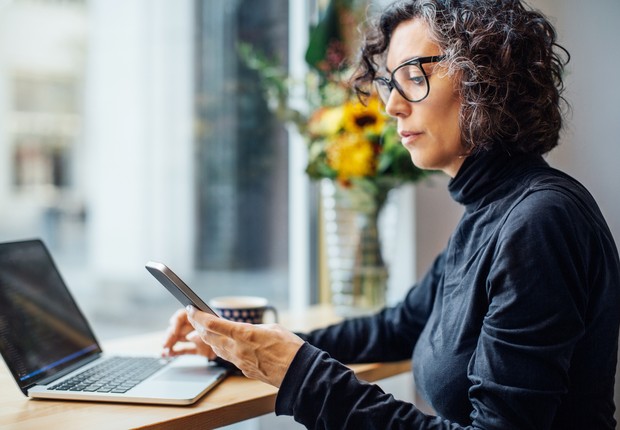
column 506, row 59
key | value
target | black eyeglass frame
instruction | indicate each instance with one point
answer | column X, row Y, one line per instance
column 418, row 61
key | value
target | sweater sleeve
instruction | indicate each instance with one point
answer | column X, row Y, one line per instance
column 321, row 393
column 387, row 336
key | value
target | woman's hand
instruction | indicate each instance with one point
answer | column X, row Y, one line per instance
column 181, row 338
column 262, row 351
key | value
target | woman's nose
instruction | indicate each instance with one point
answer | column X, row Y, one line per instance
column 396, row 105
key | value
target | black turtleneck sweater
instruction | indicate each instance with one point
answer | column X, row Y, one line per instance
column 515, row 326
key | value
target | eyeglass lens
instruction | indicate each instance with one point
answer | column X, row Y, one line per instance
column 410, row 82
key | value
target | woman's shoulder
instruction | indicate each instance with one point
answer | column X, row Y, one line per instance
column 547, row 191
column 552, row 203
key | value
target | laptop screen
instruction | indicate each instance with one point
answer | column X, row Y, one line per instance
column 42, row 331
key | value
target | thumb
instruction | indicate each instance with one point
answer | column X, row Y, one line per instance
column 204, row 322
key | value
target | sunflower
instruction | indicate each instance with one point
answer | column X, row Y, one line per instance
column 353, row 142
column 351, row 155
column 368, row 119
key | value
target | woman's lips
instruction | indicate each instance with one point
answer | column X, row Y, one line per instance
column 408, row 138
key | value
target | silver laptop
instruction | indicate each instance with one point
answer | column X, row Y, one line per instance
column 52, row 353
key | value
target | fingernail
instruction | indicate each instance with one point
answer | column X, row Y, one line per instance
column 190, row 310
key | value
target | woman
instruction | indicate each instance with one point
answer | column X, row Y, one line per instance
column 516, row 323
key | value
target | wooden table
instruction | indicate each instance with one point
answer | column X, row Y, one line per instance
column 235, row 399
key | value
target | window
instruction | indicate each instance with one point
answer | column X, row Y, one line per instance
column 137, row 134
column 241, row 151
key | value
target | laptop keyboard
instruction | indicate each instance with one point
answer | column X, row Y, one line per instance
column 114, row 375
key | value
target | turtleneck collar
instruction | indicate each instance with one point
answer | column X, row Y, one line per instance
column 485, row 171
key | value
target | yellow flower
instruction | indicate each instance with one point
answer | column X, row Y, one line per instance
column 326, row 121
column 351, row 155
column 367, row 119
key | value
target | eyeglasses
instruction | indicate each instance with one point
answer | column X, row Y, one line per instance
column 409, row 79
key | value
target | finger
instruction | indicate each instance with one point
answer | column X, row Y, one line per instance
column 182, row 349
column 210, row 343
column 178, row 328
column 203, row 321
column 201, row 347
column 212, row 340
column 178, row 322
column 170, row 338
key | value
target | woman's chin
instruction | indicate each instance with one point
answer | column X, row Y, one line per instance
column 419, row 162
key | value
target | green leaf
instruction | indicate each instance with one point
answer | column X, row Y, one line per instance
column 327, row 30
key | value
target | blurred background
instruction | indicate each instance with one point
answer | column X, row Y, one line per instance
column 131, row 130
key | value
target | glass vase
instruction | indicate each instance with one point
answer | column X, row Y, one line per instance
column 356, row 268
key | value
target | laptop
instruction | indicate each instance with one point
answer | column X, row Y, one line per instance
column 52, row 353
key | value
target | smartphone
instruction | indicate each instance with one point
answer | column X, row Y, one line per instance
column 177, row 287
column 186, row 296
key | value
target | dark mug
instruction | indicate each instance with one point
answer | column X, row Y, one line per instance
column 247, row 309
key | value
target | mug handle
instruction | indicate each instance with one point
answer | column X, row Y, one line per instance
column 273, row 310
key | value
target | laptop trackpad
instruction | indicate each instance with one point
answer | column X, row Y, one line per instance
column 189, row 369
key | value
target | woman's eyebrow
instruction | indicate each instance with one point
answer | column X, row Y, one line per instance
column 406, row 60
